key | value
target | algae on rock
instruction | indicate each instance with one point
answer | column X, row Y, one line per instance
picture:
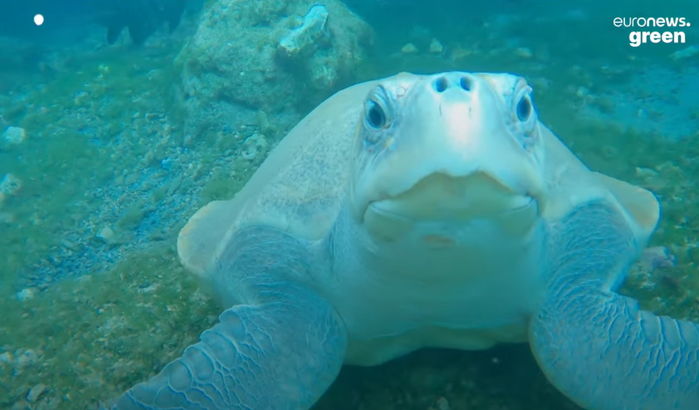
column 232, row 67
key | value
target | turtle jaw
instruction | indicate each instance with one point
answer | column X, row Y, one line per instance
column 439, row 209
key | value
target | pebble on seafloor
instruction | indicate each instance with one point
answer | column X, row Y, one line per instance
column 10, row 184
column 14, row 135
column 35, row 392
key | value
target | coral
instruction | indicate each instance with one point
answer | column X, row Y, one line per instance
column 306, row 38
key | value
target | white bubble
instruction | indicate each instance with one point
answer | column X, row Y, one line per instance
column 38, row 19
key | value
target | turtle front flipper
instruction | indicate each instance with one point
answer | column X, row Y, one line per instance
column 597, row 346
column 279, row 350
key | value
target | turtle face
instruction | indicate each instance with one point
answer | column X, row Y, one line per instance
column 445, row 151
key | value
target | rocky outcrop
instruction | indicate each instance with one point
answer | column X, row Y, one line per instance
column 253, row 60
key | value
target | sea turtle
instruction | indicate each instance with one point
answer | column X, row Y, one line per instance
column 424, row 210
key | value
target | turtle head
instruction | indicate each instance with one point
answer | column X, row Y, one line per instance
column 448, row 150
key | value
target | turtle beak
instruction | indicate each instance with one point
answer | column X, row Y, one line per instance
column 441, row 199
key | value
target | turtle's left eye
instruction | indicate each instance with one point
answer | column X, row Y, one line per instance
column 524, row 108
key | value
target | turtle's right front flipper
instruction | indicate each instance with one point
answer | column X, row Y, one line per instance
column 282, row 351
column 272, row 356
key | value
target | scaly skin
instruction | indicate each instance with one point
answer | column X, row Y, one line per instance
column 597, row 346
column 280, row 350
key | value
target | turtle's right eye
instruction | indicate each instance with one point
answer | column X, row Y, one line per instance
column 378, row 115
column 524, row 108
column 375, row 115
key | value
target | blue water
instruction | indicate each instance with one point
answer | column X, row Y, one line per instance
column 135, row 113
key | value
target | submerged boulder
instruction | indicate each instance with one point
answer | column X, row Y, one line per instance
column 278, row 58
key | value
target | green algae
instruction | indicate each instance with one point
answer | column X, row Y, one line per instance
column 100, row 334
column 95, row 336
column 68, row 129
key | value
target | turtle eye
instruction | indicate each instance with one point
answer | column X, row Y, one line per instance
column 375, row 115
column 377, row 111
column 525, row 125
column 524, row 108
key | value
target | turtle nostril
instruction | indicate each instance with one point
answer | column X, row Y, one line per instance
column 440, row 84
column 465, row 83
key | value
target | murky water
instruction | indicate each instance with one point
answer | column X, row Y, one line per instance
column 110, row 140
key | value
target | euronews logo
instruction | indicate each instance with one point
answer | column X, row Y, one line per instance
column 636, row 38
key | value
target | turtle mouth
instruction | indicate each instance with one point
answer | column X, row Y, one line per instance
column 441, row 204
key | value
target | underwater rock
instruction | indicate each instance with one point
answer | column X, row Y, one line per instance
column 443, row 403
column 10, row 184
column 35, row 392
column 409, row 48
column 657, row 257
column 108, row 236
column 436, row 47
column 686, row 52
column 523, row 52
column 14, row 135
column 26, row 294
column 249, row 153
column 322, row 74
column 253, row 145
column 647, row 271
column 304, row 39
column 257, row 140
column 6, row 358
column 237, row 63
column 24, row 358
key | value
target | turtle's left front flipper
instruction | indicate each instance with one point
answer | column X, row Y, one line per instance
column 597, row 346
